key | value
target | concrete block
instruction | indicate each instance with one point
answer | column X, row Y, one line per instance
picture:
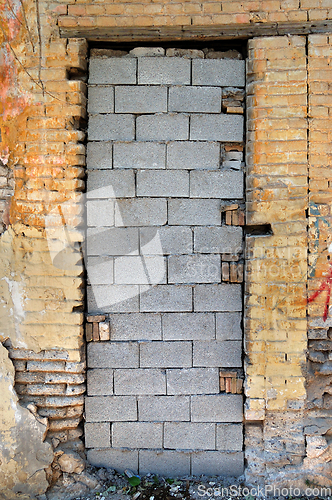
column 217, row 408
column 224, row 239
column 218, row 353
column 223, row 298
column 189, row 436
column 112, row 241
column 162, row 183
column 193, row 381
column 100, row 100
column 137, row 435
column 163, row 71
column 194, row 269
column 163, row 408
column 195, row 99
column 113, row 458
column 229, row 437
column 166, row 240
column 99, row 155
column 166, row 298
column 100, row 213
column 225, row 184
column 142, row 99
column 112, row 70
column 229, row 326
column 165, row 354
column 99, row 383
column 147, row 52
column 139, row 155
column 167, row 463
column 111, row 184
column 142, row 381
column 191, row 155
column 113, row 355
column 162, row 127
column 209, row 127
column 194, row 212
column 135, row 326
column 144, row 212
column 111, row 128
column 133, row 270
column 97, row 435
column 100, row 270
column 213, row 463
column 220, row 72
column 188, row 326
column 110, row 408
column 113, row 298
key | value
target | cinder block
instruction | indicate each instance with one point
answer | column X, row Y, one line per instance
column 188, row 326
column 162, row 183
column 113, row 298
column 220, row 72
column 97, row 435
column 223, row 298
column 140, row 270
column 225, row 184
column 166, row 298
column 113, row 355
column 229, row 437
column 111, row 128
column 117, row 459
column 141, row 381
column 143, row 212
column 100, row 100
column 112, row 241
column 100, row 270
column 213, row 463
column 193, row 381
column 228, row 326
column 99, row 383
column 164, row 462
column 195, row 99
column 218, row 240
column 194, row 269
column 166, row 240
column 110, row 408
column 165, row 354
column 112, row 70
column 111, row 184
column 137, row 435
column 100, row 213
column 194, row 212
column 189, row 436
column 217, row 408
column 139, row 155
column 163, row 71
column 218, row 353
column 161, row 127
column 135, row 326
column 163, row 408
column 191, row 155
column 140, row 99
column 99, row 155
column 225, row 128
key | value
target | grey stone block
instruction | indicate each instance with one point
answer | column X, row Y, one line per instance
column 111, row 128
column 140, row 99
column 139, row 155
column 135, row 326
column 228, row 326
column 112, row 241
column 139, row 270
column 223, row 298
column 113, row 298
column 213, row 463
column 224, row 239
column 101, row 100
column 189, row 436
column 110, row 408
column 229, row 437
column 166, row 240
column 117, row 459
column 147, row 52
column 100, row 213
column 162, row 127
column 100, row 270
column 217, row 408
column 225, row 184
column 220, row 72
column 142, row 381
column 166, row 298
column 97, row 435
column 188, row 326
column 194, row 269
column 191, row 155
column 220, row 353
column 225, row 128
column 113, row 355
column 99, row 155
column 111, row 184
column 141, row 212
column 163, row 183
column 194, row 212
column 137, row 435
column 195, row 99
column 99, row 383
column 167, row 463
column 163, row 71
column 163, row 408
column 112, row 70
column 193, row 381
column 165, row 354
column 185, row 53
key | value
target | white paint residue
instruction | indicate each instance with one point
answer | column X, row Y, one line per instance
column 330, row 248
column 16, row 292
